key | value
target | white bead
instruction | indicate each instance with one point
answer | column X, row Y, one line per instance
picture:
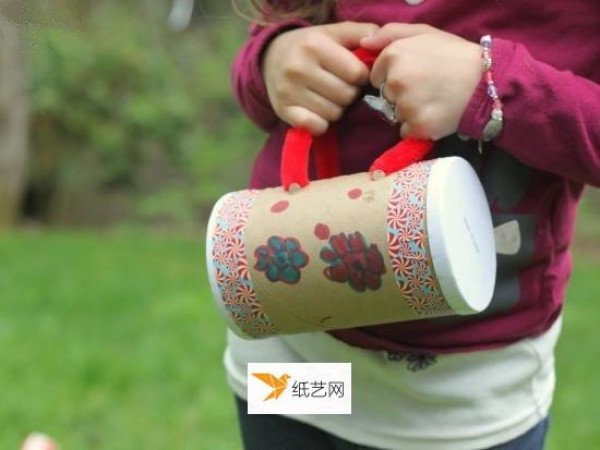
column 414, row 2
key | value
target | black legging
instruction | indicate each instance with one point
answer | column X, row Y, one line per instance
column 274, row 432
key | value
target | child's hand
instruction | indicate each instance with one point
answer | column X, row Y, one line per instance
column 311, row 75
column 429, row 75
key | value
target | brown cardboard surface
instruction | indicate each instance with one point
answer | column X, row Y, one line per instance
column 345, row 204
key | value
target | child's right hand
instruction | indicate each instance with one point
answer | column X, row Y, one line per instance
column 311, row 74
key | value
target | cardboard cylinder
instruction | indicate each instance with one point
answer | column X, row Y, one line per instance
column 351, row 251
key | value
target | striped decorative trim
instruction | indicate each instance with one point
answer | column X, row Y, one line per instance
column 231, row 269
column 408, row 245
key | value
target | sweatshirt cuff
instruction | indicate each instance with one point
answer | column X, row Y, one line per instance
column 478, row 110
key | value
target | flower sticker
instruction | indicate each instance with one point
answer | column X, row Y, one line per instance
column 415, row 361
column 281, row 259
column 351, row 260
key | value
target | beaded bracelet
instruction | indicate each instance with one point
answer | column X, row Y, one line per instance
column 494, row 126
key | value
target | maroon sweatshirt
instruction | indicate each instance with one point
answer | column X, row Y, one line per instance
column 546, row 56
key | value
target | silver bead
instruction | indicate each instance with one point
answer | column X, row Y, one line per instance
column 492, row 129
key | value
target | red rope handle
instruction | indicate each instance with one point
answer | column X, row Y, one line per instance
column 298, row 143
column 294, row 157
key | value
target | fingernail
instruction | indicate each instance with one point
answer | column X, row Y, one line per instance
column 294, row 188
column 377, row 175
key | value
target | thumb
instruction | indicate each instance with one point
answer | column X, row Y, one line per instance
column 349, row 34
column 392, row 32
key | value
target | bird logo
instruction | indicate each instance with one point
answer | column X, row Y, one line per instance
column 277, row 384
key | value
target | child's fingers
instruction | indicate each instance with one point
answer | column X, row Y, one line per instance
column 391, row 68
column 409, row 130
column 376, row 42
column 379, row 71
column 394, row 31
column 331, row 87
column 301, row 117
column 319, row 104
column 342, row 63
column 379, row 74
column 349, row 34
column 405, row 130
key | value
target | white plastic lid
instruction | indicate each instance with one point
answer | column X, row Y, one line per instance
column 461, row 235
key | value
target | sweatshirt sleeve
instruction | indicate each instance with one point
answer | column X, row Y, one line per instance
column 551, row 117
column 246, row 78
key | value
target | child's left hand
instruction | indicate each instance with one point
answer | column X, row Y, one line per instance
column 429, row 75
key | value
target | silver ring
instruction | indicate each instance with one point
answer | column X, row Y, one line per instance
column 383, row 105
column 389, row 108
column 381, row 88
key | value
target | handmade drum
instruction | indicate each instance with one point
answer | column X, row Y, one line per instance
column 351, row 251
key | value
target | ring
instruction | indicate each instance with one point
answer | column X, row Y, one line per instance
column 381, row 89
column 389, row 108
column 383, row 105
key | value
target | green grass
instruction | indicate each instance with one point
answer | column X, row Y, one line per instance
column 110, row 341
column 577, row 404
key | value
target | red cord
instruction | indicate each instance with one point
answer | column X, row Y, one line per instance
column 326, row 153
column 294, row 157
column 401, row 155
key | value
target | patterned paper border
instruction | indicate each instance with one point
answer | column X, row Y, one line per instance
column 231, row 269
column 408, row 245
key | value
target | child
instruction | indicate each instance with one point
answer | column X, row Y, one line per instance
column 477, row 382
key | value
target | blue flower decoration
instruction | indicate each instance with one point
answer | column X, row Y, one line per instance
column 281, row 259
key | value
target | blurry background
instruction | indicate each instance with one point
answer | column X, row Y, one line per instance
column 117, row 133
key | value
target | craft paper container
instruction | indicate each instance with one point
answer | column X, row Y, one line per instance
column 351, row 251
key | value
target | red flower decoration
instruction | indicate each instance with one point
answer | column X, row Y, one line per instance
column 351, row 260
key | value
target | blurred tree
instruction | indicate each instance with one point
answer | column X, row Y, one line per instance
column 13, row 123
column 131, row 121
